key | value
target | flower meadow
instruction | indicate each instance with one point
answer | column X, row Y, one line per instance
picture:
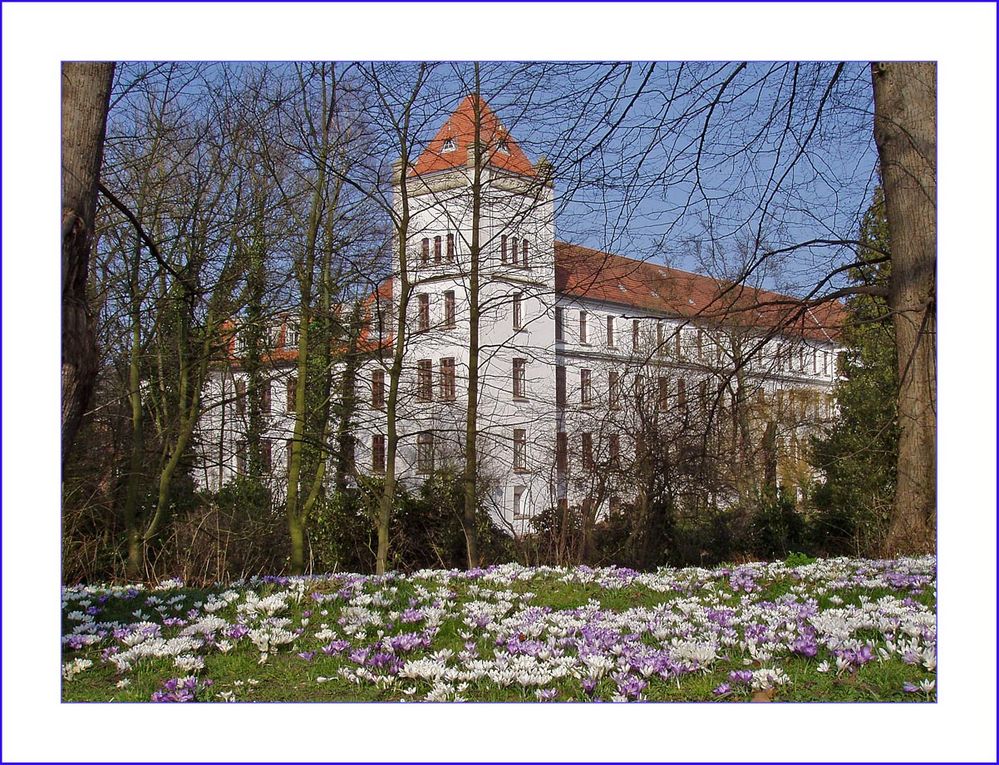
column 840, row 629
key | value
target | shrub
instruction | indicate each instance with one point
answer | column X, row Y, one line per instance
column 777, row 526
column 795, row 559
column 425, row 530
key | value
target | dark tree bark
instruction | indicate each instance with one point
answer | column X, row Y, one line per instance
column 86, row 93
column 905, row 130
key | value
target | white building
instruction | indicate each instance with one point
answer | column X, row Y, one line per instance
column 580, row 349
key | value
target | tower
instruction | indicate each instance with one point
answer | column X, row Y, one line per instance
column 481, row 238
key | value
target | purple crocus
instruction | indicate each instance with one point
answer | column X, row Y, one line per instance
column 336, row 646
column 741, row 676
column 806, row 646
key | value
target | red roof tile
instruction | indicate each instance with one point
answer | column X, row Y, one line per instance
column 460, row 130
column 588, row 273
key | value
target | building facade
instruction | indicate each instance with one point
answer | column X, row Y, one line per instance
column 588, row 362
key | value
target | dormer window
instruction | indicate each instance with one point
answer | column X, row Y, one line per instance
column 449, row 145
column 291, row 335
column 503, row 146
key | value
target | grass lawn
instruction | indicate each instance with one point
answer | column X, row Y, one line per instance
column 832, row 630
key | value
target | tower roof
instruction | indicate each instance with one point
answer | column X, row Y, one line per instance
column 449, row 148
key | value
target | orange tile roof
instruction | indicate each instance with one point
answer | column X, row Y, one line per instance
column 460, row 128
column 588, row 273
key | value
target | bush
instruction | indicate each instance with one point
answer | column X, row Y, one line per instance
column 232, row 534
column 342, row 533
column 795, row 559
column 425, row 530
column 777, row 527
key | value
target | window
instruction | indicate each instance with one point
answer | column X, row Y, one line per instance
column 447, row 379
column 700, row 345
column 240, row 396
column 610, row 331
column 503, row 248
column 503, row 146
column 520, row 378
column 639, row 390
column 424, row 380
column 243, row 341
column 425, row 251
column 384, row 318
column 523, row 253
column 518, row 503
column 241, row 458
column 663, row 393
column 292, row 392
column 702, row 395
column 678, row 343
column 448, row 146
column 559, row 330
column 291, row 334
column 437, row 250
column 289, row 444
column 559, row 386
column 449, row 314
column 378, row 453
column 450, row 248
column 265, row 456
column 613, row 390
column 815, row 361
column 681, row 393
column 425, row 452
column 634, row 334
column 660, row 338
column 423, row 313
column 582, row 327
column 265, row 397
column 586, row 392
column 586, row 446
column 801, row 359
column 518, row 312
column 513, row 250
column 615, row 449
column 825, row 362
column 561, row 453
column 519, row 449
column 377, row 388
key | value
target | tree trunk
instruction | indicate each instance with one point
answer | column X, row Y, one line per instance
column 468, row 523
column 905, row 130
column 133, row 568
column 770, row 459
column 86, row 93
column 386, row 502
